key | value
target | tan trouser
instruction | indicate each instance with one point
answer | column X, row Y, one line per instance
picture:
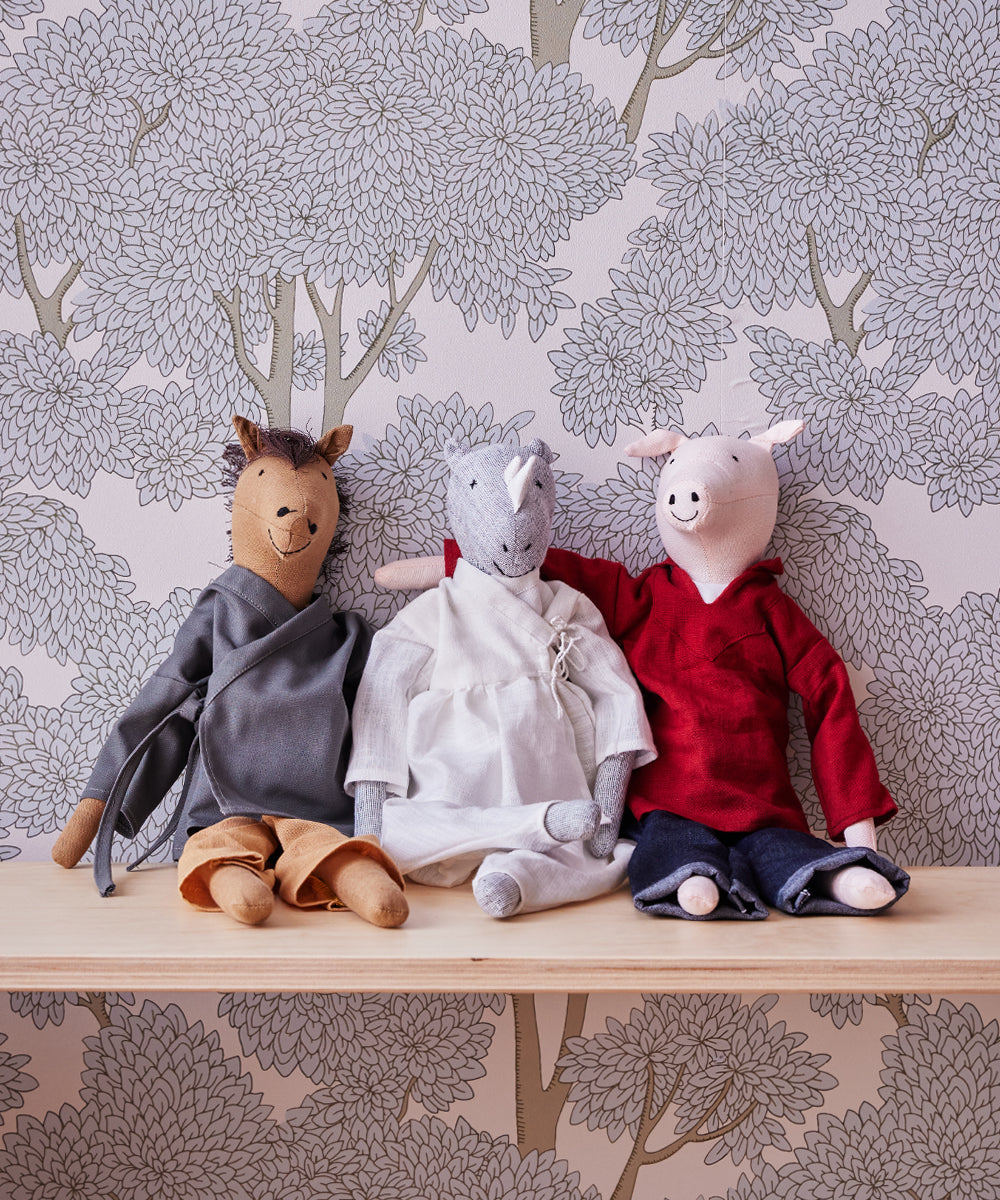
column 304, row 847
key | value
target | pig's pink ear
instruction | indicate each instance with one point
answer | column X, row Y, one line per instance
column 660, row 441
column 784, row 431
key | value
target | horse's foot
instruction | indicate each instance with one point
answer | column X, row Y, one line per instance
column 366, row 888
column 241, row 893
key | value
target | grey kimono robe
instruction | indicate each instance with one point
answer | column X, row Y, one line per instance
column 254, row 700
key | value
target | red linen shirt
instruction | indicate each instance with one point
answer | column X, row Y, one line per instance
column 716, row 680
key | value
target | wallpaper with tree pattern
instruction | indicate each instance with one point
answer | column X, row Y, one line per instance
column 573, row 220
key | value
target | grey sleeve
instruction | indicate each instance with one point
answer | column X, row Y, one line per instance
column 610, row 786
column 189, row 661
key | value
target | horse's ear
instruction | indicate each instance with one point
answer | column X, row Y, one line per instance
column 249, row 435
column 333, row 443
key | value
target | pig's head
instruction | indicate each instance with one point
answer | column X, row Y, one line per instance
column 717, row 498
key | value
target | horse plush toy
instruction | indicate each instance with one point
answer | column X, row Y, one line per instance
column 253, row 704
column 497, row 722
column 717, row 646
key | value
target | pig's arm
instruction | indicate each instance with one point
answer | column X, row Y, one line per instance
column 843, row 765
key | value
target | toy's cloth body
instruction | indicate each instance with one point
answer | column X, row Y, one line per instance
column 717, row 679
column 483, row 702
column 254, row 700
column 718, row 800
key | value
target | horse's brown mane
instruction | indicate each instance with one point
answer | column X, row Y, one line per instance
column 294, row 447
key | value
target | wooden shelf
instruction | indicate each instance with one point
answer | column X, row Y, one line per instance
column 59, row 935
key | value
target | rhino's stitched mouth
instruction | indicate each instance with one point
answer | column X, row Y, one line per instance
column 288, row 553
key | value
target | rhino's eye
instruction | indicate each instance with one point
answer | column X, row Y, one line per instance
column 538, row 483
column 472, row 485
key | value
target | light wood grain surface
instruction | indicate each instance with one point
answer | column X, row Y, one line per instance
column 58, row 934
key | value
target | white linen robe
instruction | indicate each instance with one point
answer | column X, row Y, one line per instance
column 483, row 702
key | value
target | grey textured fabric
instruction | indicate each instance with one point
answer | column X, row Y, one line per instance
column 496, row 533
column 610, row 787
column 497, row 894
column 572, row 819
column 273, row 730
column 369, row 800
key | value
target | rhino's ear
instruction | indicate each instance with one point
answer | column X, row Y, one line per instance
column 454, row 449
column 540, row 449
column 660, row 441
column 249, row 435
column 784, row 431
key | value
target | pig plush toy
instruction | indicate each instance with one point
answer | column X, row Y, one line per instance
column 717, row 647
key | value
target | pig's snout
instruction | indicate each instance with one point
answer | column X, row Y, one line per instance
column 686, row 503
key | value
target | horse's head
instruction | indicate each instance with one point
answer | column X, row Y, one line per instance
column 717, row 498
column 500, row 504
column 285, row 504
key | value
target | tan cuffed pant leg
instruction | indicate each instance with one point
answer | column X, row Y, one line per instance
column 239, row 841
column 306, row 845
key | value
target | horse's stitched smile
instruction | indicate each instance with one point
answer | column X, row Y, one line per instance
column 288, row 553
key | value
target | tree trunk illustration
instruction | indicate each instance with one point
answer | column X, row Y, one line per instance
column 552, row 26
column 538, row 1105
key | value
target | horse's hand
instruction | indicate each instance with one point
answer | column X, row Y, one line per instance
column 80, row 830
column 410, row 574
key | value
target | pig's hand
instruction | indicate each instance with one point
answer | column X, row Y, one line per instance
column 409, row 574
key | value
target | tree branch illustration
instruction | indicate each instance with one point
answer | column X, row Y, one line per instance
column 145, row 127
column 640, row 1156
column 275, row 388
column 552, row 24
column 635, row 109
column 96, row 1003
column 538, row 1106
column 932, row 138
column 339, row 388
column 893, row 1003
column 840, row 317
column 48, row 309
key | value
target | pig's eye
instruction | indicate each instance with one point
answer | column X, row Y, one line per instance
column 735, row 459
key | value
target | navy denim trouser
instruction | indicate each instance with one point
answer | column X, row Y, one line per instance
column 751, row 870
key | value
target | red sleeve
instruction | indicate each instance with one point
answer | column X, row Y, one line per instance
column 843, row 764
column 451, row 556
column 606, row 583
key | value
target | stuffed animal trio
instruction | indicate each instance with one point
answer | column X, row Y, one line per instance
column 509, row 723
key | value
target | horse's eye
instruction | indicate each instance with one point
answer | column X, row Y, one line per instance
column 323, row 473
column 472, row 484
column 260, row 472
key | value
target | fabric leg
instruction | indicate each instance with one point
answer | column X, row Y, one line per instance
column 305, row 845
column 239, row 841
column 424, row 832
column 563, row 875
column 786, row 861
column 671, row 849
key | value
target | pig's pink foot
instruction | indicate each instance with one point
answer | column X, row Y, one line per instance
column 858, row 887
column 698, row 895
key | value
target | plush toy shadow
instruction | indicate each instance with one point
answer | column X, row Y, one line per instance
column 253, row 706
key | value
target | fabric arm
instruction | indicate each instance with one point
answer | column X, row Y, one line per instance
column 610, row 786
column 843, row 764
column 398, row 669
